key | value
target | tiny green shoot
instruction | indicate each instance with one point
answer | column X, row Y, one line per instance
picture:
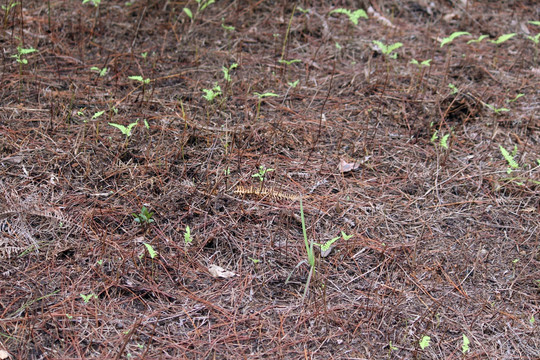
column 227, row 71
column 101, row 72
column 289, row 62
column 98, row 114
column 424, row 63
column 532, row 320
column 353, row 16
column 261, row 175
column 477, row 40
column 144, row 55
column 203, row 4
column 503, row 38
column 387, row 49
column 144, row 217
column 22, row 51
column 188, row 12
column 302, row 10
column 444, row 141
column 262, row 96
column 188, row 239
column 452, row 37
column 9, row 6
column 309, row 249
column 534, row 22
column 514, row 99
column 211, row 94
column 454, row 88
column 139, row 79
column 93, row 2
column 424, row 342
column 126, row 130
column 255, row 261
column 293, row 84
column 88, row 297
column 226, row 27
column 153, row 253
column 509, row 158
column 465, row 346
column 497, row 110
column 391, row 348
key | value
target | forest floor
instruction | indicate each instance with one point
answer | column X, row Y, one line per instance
column 153, row 160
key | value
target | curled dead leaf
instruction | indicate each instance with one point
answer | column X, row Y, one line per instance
column 218, row 271
column 346, row 167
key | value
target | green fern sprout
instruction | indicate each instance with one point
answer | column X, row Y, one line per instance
column 354, row 16
column 452, row 37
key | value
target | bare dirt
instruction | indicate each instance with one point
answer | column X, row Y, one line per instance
column 440, row 231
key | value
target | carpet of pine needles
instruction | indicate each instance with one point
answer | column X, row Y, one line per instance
column 439, row 233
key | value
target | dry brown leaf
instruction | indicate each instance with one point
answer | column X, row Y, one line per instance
column 346, row 167
column 218, row 271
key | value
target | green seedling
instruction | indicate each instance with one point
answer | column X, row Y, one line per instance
column 391, row 348
column 261, row 97
column 97, row 114
column 452, row 37
column 144, row 55
column 255, row 261
column 514, row 99
column 443, row 142
column 424, row 342
column 226, row 27
column 509, row 158
column 201, row 6
column 10, row 6
column 293, row 84
column 388, row 49
column 19, row 56
column 425, row 63
column 126, row 130
column 188, row 12
column 100, row 262
column 454, row 88
column 503, row 38
column 140, row 79
column 302, row 10
column 7, row 8
column 309, row 249
column 153, row 253
column 478, row 40
column 101, row 72
column 327, row 246
column 261, row 175
column 533, row 22
column 289, row 62
column 227, row 71
column 88, row 297
column 96, row 3
column 188, row 239
column 497, row 110
column 536, row 40
column 353, row 16
column 211, row 94
column 465, row 346
column 532, row 320
column 144, row 217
